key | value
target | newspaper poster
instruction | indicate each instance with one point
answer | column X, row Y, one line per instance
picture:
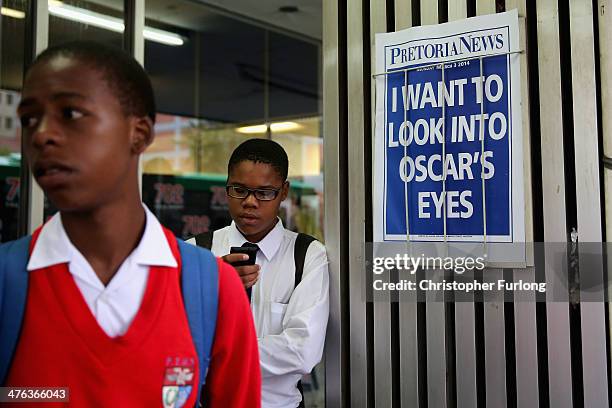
column 448, row 156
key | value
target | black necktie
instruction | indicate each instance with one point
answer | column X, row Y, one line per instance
column 248, row 244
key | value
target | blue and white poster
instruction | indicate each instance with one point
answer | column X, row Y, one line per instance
column 448, row 155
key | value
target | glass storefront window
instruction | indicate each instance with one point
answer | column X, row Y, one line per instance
column 303, row 210
column 185, row 172
column 96, row 20
column 13, row 19
column 227, row 82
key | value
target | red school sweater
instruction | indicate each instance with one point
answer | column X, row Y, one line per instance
column 154, row 364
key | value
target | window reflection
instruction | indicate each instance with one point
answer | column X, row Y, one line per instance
column 100, row 21
column 185, row 172
column 228, row 82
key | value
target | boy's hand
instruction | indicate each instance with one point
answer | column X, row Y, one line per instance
column 248, row 273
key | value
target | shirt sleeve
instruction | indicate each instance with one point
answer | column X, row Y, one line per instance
column 299, row 347
column 234, row 377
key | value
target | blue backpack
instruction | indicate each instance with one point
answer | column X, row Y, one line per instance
column 199, row 281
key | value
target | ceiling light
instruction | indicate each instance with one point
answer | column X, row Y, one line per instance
column 9, row 12
column 80, row 15
column 252, row 129
column 274, row 127
column 284, row 126
column 85, row 16
column 161, row 36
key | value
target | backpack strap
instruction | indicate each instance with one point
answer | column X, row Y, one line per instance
column 204, row 239
column 200, row 285
column 13, row 292
column 302, row 242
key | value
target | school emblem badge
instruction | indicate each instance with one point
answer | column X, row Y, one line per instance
column 178, row 382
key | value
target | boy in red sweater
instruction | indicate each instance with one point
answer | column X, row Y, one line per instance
column 104, row 312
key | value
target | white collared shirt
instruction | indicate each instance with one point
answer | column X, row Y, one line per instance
column 290, row 324
column 115, row 305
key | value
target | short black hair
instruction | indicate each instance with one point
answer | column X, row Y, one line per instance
column 261, row 151
column 123, row 74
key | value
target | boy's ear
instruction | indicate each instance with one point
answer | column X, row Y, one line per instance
column 284, row 191
column 142, row 134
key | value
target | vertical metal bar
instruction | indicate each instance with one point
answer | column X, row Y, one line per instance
column 403, row 14
column 334, row 355
column 526, row 346
column 521, row 6
column 356, row 191
column 37, row 197
column 408, row 327
column 465, row 322
column 133, row 36
column 551, row 121
column 525, row 331
column 382, row 310
column 23, row 214
column 382, row 354
column 409, row 357
column 495, row 343
column 1, row 48
column 32, row 198
column 593, row 324
column 133, row 42
column 128, row 22
column 485, row 7
column 604, row 14
column 465, row 329
column 553, row 195
column 139, row 25
column 429, row 12
column 436, row 348
column 585, row 121
column 559, row 363
column 494, row 320
column 457, row 9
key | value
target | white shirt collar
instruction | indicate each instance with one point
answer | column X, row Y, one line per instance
column 54, row 247
column 268, row 245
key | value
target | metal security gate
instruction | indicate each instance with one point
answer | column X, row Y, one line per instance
column 487, row 353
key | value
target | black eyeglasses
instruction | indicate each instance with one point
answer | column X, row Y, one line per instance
column 262, row 194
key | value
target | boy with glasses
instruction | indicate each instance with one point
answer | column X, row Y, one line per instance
column 290, row 311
